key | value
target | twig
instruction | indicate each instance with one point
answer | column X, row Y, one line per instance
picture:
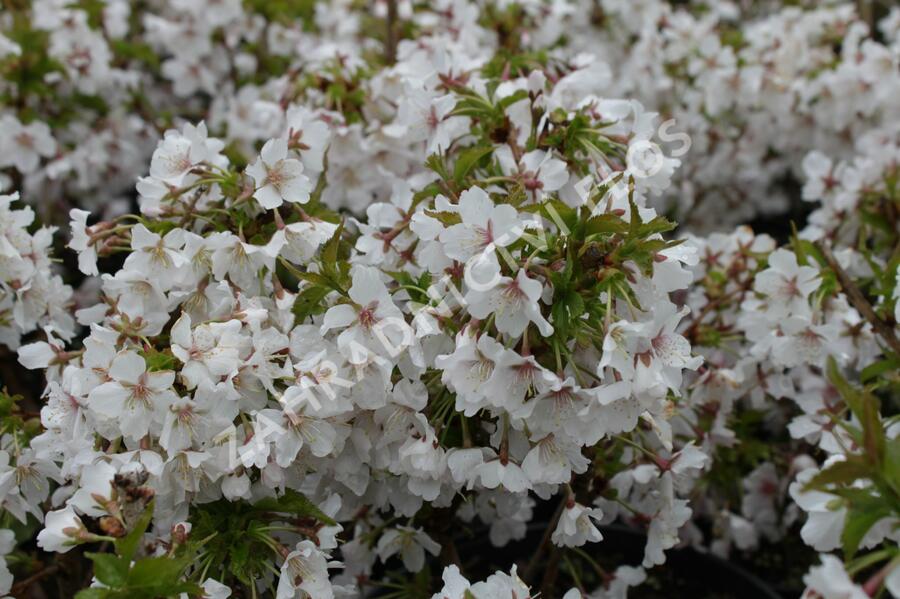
column 9, row 369
column 551, row 572
column 859, row 301
column 715, row 303
column 390, row 45
column 545, row 540
column 449, row 554
column 866, row 14
column 23, row 585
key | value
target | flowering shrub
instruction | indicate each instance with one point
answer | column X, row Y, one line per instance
column 391, row 300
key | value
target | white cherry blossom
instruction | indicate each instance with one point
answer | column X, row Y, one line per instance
column 278, row 178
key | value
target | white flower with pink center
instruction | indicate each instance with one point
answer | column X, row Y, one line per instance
column 484, row 226
column 278, row 178
column 513, row 302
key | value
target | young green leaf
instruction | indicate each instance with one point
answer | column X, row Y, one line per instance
column 109, row 569
column 295, row 503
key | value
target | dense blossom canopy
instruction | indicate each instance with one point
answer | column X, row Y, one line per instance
column 304, row 291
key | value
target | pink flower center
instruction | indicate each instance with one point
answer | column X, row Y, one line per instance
column 433, row 120
column 789, row 288
column 25, row 140
column 275, row 176
column 512, row 292
column 367, row 316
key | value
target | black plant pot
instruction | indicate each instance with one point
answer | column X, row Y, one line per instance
column 687, row 573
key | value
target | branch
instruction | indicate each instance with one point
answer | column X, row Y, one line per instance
column 528, row 575
column 20, row 587
column 859, row 301
column 390, row 46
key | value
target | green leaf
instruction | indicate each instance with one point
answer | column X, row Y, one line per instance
column 566, row 311
column 512, row 99
column 876, row 369
column 109, row 569
column 158, row 360
column 866, row 409
column 891, row 466
column 447, row 218
column 238, row 559
column 127, row 545
column 436, row 163
column 93, row 593
column 156, row 572
column 330, row 250
column 309, row 302
column 873, row 430
column 808, row 248
column 177, row 589
column 861, row 518
column 876, row 220
column 850, row 395
column 313, row 278
column 799, row 249
column 560, row 214
column 473, row 105
column 606, row 223
column 160, row 227
column 467, row 161
column 135, row 51
column 844, row 472
column 95, row 103
column 293, row 502
column 660, row 224
column 634, row 222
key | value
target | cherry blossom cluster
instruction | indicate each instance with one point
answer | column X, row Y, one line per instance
column 852, row 194
column 501, row 584
column 777, row 328
column 32, row 295
column 350, row 279
column 468, row 338
column 760, row 89
column 125, row 78
column 754, row 92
